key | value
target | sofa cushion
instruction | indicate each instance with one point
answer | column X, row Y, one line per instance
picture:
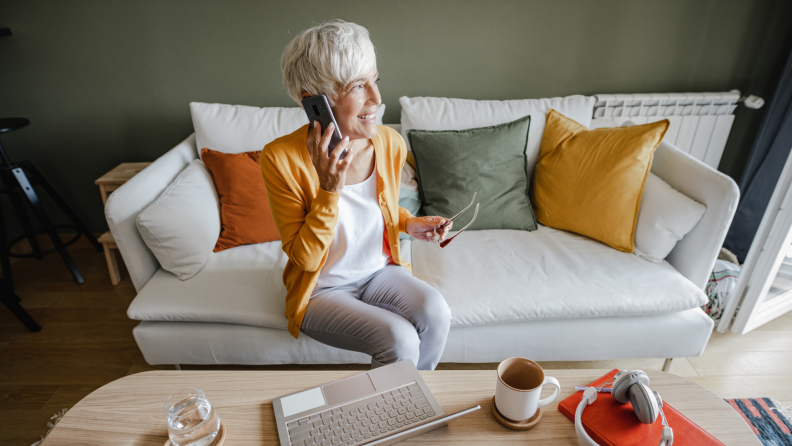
column 243, row 285
column 241, row 128
column 590, row 181
column 490, row 276
column 498, row 276
column 665, row 217
column 181, row 226
column 459, row 114
column 244, row 205
column 489, row 162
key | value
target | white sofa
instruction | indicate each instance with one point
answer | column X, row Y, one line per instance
column 545, row 295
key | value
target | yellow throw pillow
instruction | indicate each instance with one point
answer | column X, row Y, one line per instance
column 590, row 181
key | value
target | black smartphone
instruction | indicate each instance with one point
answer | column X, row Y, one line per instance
column 318, row 110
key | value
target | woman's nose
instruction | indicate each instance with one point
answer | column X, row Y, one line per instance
column 374, row 95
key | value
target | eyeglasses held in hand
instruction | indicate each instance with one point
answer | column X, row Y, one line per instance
column 445, row 243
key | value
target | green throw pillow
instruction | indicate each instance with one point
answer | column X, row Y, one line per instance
column 452, row 164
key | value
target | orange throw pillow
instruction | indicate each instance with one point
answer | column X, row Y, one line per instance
column 244, row 209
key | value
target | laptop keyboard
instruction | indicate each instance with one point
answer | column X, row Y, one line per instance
column 362, row 421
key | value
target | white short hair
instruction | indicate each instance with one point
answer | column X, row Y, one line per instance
column 326, row 58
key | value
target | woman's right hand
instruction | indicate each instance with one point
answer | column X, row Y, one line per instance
column 331, row 170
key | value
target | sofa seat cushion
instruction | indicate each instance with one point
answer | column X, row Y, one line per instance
column 500, row 276
column 488, row 276
column 242, row 285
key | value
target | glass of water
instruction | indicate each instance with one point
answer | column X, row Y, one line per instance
column 192, row 421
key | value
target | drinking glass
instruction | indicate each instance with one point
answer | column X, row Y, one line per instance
column 192, row 421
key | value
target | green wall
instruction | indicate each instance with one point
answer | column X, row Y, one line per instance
column 105, row 82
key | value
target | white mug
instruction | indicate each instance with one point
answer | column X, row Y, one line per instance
column 519, row 385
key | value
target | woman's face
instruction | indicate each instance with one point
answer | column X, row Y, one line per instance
column 355, row 107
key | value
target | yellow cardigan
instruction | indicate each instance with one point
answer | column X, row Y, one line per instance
column 306, row 215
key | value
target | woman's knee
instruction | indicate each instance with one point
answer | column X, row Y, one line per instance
column 401, row 343
column 433, row 311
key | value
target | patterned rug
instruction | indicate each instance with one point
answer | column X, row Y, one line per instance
column 769, row 421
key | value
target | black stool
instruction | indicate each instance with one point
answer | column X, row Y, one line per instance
column 20, row 179
column 7, row 295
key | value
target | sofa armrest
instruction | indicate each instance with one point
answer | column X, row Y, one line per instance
column 694, row 256
column 125, row 203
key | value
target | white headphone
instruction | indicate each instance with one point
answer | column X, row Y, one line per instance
column 632, row 386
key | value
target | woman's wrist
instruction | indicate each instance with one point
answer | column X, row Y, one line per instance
column 407, row 224
column 331, row 188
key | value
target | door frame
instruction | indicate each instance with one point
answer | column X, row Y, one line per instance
column 762, row 263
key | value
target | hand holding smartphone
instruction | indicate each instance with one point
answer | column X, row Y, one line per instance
column 317, row 108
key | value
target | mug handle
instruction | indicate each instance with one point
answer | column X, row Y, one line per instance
column 545, row 401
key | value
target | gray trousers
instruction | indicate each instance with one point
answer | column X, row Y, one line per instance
column 389, row 315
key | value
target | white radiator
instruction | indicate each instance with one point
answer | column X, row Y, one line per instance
column 700, row 122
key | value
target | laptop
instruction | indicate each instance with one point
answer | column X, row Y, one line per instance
column 380, row 407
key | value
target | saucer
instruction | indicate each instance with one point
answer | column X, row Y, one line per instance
column 218, row 441
column 517, row 425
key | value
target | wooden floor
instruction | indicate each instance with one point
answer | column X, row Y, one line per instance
column 86, row 341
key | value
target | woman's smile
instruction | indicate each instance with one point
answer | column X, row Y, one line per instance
column 368, row 119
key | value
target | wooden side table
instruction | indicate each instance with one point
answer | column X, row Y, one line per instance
column 107, row 183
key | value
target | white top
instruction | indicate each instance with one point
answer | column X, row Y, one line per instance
column 357, row 250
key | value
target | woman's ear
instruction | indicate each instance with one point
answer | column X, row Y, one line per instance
column 305, row 95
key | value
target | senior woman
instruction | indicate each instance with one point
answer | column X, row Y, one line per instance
column 339, row 219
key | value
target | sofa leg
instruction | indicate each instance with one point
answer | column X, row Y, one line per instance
column 179, row 367
column 667, row 364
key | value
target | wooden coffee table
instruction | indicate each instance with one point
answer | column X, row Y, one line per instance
column 130, row 411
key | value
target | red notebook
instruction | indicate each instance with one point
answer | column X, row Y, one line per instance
column 609, row 422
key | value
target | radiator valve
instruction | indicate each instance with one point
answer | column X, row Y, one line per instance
column 752, row 101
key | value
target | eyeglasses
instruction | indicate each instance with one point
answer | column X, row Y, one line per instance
column 445, row 243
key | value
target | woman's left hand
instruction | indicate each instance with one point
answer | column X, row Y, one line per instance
column 426, row 228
